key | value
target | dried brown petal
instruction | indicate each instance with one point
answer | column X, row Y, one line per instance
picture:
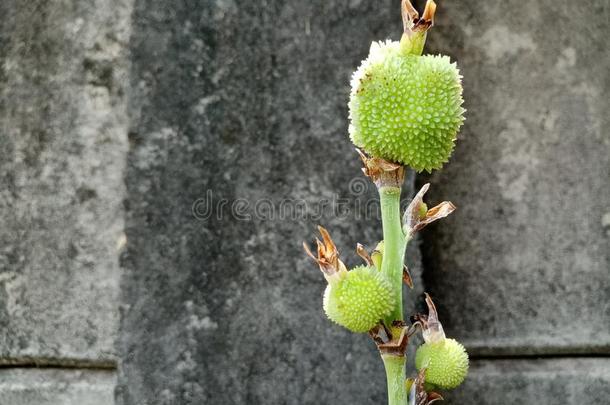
column 328, row 255
column 418, row 395
column 417, row 392
column 429, row 11
column 406, row 276
column 397, row 346
column 413, row 220
column 433, row 397
column 432, row 328
column 410, row 17
column 380, row 334
column 409, row 14
column 382, row 172
column 361, row 251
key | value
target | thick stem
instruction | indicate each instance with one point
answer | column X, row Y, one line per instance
column 394, row 245
column 396, row 376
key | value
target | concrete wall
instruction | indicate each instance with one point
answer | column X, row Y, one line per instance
column 63, row 153
column 118, row 117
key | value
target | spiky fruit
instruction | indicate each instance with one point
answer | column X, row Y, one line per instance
column 446, row 362
column 406, row 108
column 359, row 299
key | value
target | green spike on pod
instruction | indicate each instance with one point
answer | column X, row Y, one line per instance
column 359, row 299
column 406, row 108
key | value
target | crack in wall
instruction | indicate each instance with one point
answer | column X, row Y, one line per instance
column 57, row 363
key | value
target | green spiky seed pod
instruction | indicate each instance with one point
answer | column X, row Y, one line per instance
column 446, row 362
column 406, row 107
column 359, row 299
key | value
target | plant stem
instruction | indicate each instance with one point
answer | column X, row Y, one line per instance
column 394, row 245
column 396, row 376
column 414, row 44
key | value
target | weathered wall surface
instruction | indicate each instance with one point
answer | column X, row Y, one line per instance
column 57, row 387
column 532, row 178
column 242, row 100
column 63, row 151
column 234, row 103
column 523, row 267
column 541, row 381
column 249, row 103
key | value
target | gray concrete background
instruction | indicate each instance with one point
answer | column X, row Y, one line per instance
column 118, row 116
column 529, row 250
column 63, row 149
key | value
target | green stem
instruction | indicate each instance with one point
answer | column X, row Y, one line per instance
column 413, row 44
column 396, row 376
column 394, row 245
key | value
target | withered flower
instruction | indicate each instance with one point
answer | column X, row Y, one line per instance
column 417, row 214
column 328, row 256
column 382, row 172
column 417, row 392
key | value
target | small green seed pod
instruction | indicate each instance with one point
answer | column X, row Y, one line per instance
column 406, row 107
column 359, row 299
column 446, row 362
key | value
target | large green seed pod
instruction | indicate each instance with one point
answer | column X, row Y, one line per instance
column 406, row 107
column 359, row 299
column 446, row 362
